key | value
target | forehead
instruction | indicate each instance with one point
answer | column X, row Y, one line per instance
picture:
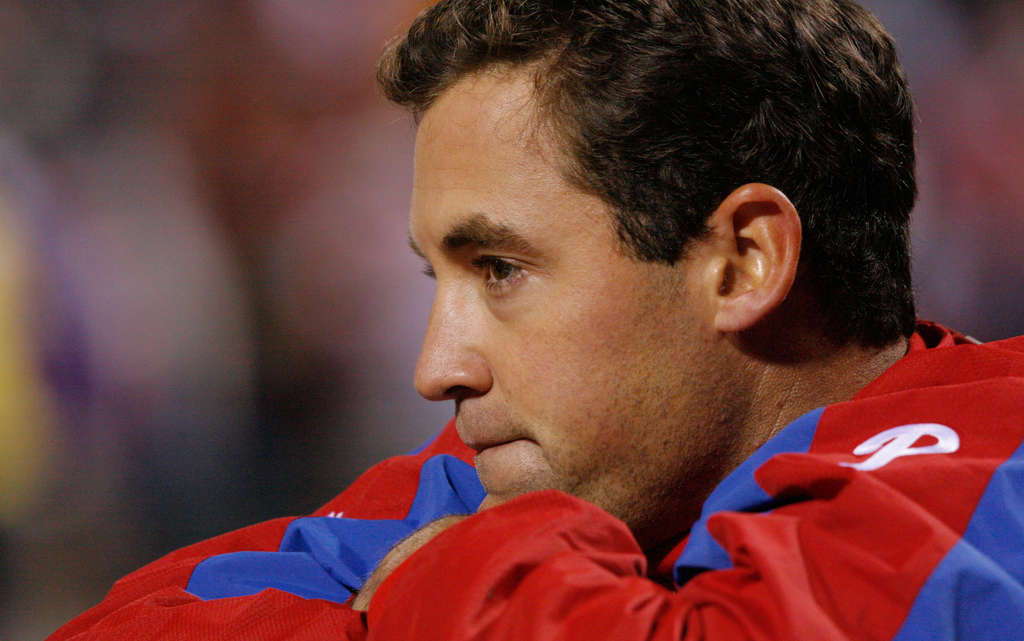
column 498, row 102
column 482, row 149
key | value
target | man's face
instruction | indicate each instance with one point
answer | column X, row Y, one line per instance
column 572, row 365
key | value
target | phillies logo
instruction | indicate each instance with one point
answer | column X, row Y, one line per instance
column 902, row 441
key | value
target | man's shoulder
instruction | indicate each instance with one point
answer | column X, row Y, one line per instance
column 939, row 359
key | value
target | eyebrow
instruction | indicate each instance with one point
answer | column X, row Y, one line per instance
column 481, row 232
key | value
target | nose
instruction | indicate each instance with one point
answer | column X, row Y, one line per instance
column 451, row 365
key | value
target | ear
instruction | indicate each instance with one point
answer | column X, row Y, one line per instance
column 754, row 254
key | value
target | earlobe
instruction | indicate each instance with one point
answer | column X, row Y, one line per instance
column 756, row 253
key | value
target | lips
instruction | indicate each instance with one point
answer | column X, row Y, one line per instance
column 511, row 468
column 485, row 443
column 498, row 454
column 480, row 438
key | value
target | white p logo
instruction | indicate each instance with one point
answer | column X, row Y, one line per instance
column 899, row 441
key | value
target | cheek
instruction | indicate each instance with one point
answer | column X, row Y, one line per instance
column 560, row 365
column 576, row 362
column 580, row 381
column 586, row 341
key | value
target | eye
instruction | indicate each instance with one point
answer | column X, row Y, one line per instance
column 499, row 273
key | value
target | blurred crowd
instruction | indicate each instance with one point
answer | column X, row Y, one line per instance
column 209, row 314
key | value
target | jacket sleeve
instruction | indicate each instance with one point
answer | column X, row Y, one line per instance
column 549, row 566
column 844, row 556
column 155, row 602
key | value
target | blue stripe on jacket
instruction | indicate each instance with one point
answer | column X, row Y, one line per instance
column 739, row 492
column 329, row 558
column 977, row 591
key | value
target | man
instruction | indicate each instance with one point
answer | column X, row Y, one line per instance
column 673, row 309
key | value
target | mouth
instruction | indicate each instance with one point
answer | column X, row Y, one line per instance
column 485, row 433
column 483, row 444
column 499, row 454
column 511, row 467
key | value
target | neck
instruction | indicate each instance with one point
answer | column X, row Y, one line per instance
column 785, row 391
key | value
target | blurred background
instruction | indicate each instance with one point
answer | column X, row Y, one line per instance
column 208, row 312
